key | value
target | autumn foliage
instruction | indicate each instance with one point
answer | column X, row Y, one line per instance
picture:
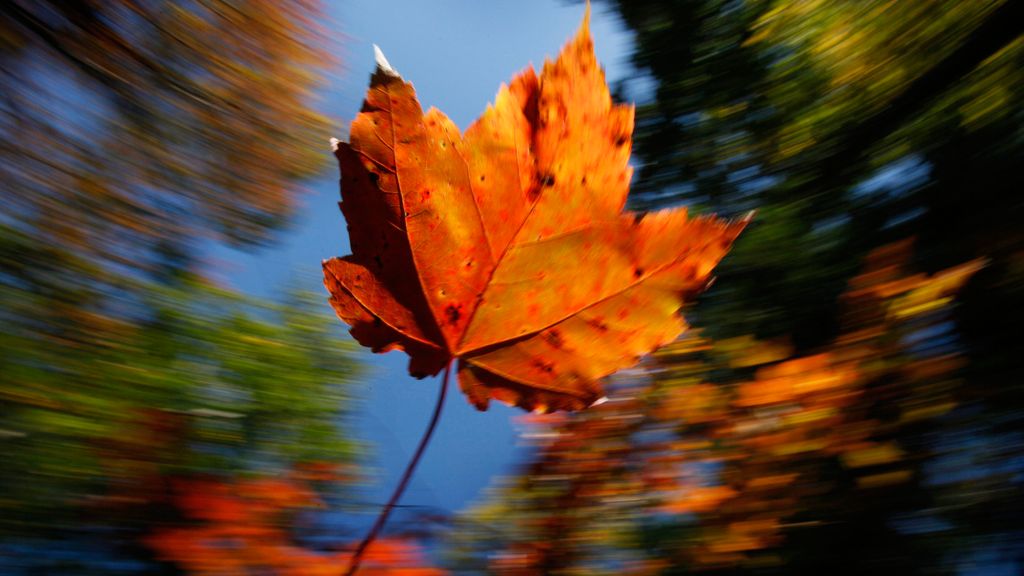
column 507, row 246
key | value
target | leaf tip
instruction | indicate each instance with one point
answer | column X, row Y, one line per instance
column 382, row 63
column 585, row 24
column 598, row 402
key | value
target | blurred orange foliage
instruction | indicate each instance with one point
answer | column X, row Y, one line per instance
column 237, row 527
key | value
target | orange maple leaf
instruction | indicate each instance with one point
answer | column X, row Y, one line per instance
column 507, row 247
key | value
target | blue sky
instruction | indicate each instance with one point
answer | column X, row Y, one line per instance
column 456, row 54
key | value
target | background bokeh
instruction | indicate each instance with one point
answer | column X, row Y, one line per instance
column 176, row 396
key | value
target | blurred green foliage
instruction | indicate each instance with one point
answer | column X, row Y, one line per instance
column 100, row 391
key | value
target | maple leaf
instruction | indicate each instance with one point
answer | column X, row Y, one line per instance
column 508, row 247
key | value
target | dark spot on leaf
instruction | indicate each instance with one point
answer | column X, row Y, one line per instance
column 621, row 141
column 374, row 177
column 469, row 263
column 554, row 338
column 452, row 313
column 547, row 179
column 638, row 272
column 598, row 324
column 583, row 181
column 543, row 366
column 482, row 177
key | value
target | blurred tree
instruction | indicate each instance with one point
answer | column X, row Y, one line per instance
column 134, row 130
column 847, row 125
column 103, row 396
column 134, row 133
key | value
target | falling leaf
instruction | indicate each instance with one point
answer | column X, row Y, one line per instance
column 507, row 247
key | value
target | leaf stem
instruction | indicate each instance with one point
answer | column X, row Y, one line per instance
column 357, row 558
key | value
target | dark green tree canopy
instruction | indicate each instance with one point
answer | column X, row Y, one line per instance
column 846, row 124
